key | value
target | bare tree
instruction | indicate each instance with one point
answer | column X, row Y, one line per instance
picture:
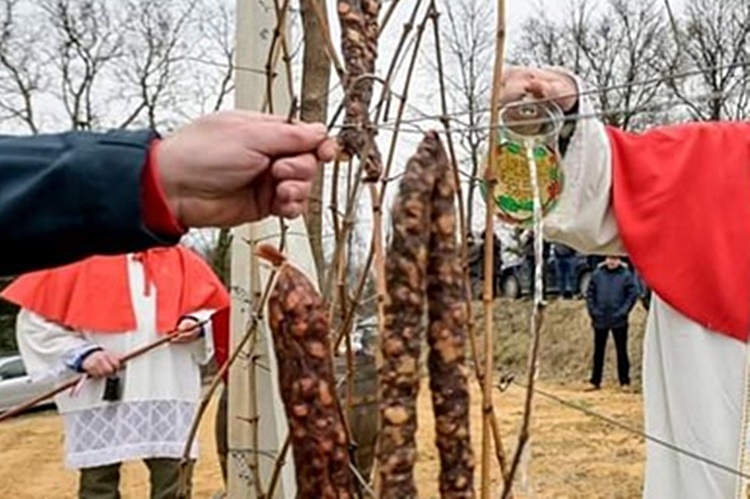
column 468, row 44
column 216, row 28
column 113, row 63
column 713, row 36
column 316, row 76
column 21, row 77
column 553, row 42
column 614, row 49
column 155, row 58
column 86, row 38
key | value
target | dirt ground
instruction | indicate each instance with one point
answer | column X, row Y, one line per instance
column 572, row 455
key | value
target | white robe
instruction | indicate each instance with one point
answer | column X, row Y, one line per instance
column 695, row 379
column 160, row 390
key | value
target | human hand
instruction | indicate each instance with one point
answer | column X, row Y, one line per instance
column 520, row 82
column 101, row 364
column 189, row 330
column 233, row 167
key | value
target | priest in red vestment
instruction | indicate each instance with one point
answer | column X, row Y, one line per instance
column 676, row 200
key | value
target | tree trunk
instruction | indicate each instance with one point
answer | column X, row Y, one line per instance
column 314, row 107
column 470, row 195
column 220, row 258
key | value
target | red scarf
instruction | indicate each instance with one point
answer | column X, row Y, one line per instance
column 94, row 294
column 682, row 201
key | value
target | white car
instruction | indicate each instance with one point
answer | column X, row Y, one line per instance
column 16, row 386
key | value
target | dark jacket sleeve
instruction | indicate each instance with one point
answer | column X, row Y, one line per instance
column 591, row 294
column 631, row 294
column 68, row 196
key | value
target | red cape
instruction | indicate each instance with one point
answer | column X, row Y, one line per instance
column 94, row 294
column 220, row 323
column 681, row 197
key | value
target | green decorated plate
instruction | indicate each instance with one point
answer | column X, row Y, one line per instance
column 514, row 200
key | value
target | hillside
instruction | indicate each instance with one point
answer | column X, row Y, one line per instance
column 566, row 343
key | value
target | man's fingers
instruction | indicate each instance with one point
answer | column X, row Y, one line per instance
column 291, row 198
column 103, row 368
column 186, row 336
column 112, row 364
column 538, row 89
column 256, row 116
column 302, row 167
column 188, row 325
column 293, row 191
column 327, row 150
column 285, row 139
column 289, row 210
column 181, row 338
column 511, row 96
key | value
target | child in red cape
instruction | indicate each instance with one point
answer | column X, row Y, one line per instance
column 83, row 317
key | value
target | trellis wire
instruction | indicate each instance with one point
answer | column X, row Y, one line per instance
column 509, row 380
column 645, row 108
column 588, row 91
column 402, row 125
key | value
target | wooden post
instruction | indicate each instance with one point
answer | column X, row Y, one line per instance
column 255, row 25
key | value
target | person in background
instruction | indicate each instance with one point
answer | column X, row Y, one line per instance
column 610, row 297
column 565, row 259
column 83, row 317
column 476, row 262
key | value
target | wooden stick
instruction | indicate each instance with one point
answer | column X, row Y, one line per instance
column 326, row 31
column 24, row 406
column 489, row 250
column 473, row 343
column 280, row 461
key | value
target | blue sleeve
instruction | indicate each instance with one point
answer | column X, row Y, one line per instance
column 630, row 295
column 591, row 296
column 68, row 196
column 631, row 292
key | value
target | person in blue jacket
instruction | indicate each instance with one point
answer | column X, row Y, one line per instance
column 610, row 297
column 67, row 196
column 565, row 263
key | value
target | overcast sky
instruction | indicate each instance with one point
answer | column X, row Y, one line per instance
column 519, row 10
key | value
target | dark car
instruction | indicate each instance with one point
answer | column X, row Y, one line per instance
column 516, row 279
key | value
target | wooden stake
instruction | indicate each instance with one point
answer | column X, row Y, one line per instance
column 489, row 250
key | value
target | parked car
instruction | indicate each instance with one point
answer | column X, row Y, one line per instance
column 516, row 279
column 16, row 386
